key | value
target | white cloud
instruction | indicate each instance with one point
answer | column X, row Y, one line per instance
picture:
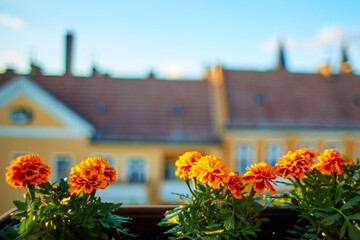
column 272, row 44
column 176, row 70
column 14, row 59
column 269, row 45
column 325, row 37
column 13, row 56
column 2, row 67
column 10, row 21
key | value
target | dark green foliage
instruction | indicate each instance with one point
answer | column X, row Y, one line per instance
column 331, row 204
column 52, row 213
column 214, row 214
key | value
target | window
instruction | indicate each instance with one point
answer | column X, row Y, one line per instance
column 107, row 157
column 273, row 152
column 62, row 167
column 169, row 170
column 244, row 155
column 110, row 161
column 307, row 144
column 136, row 170
column 258, row 97
column 333, row 145
column 20, row 116
column 176, row 110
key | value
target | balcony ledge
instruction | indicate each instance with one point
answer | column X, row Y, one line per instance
column 145, row 221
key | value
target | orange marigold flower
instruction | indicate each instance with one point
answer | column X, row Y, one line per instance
column 26, row 169
column 262, row 174
column 235, row 185
column 91, row 174
column 185, row 162
column 331, row 161
column 295, row 163
column 210, row 170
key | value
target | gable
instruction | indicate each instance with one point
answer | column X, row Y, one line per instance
column 39, row 116
column 49, row 116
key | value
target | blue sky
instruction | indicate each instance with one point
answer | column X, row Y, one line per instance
column 177, row 38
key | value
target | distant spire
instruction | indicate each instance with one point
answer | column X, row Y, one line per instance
column 151, row 74
column 345, row 65
column 281, row 64
column 35, row 68
column 95, row 72
column 345, row 57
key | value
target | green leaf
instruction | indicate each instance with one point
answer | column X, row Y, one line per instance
column 116, row 206
column 354, row 233
column 310, row 236
column 201, row 187
column 102, row 235
column 343, row 229
column 322, row 178
column 64, row 185
column 105, row 224
column 331, row 219
column 229, row 223
column 90, row 224
column 20, row 205
column 204, row 238
column 324, row 209
column 350, row 203
column 355, row 216
column 240, row 217
column 214, row 232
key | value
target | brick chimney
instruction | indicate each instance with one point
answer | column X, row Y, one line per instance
column 69, row 40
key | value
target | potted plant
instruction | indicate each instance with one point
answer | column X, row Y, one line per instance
column 218, row 206
column 326, row 194
column 65, row 210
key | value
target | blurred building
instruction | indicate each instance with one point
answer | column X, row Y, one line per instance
column 141, row 126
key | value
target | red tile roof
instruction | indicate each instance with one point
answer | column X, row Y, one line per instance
column 280, row 99
column 136, row 109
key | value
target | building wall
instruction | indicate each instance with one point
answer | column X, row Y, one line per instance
column 154, row 155
column 347, row 143
column 80, row 149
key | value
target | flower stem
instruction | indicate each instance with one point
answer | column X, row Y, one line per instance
column 194, row 184
column 31, row 193
column 252, row 194
column 188, row 184
column 92, row 195
column 208, row 204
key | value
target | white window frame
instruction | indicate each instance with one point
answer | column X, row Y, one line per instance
column 249, row 155
column 126, row 170
column 168, row 159
column 330, row 143
column 56, row 157
column 307, row 143
column 280, row 144
column 106, row 157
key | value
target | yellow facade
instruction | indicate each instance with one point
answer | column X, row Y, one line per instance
column 155, row 155
column 79, row 148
